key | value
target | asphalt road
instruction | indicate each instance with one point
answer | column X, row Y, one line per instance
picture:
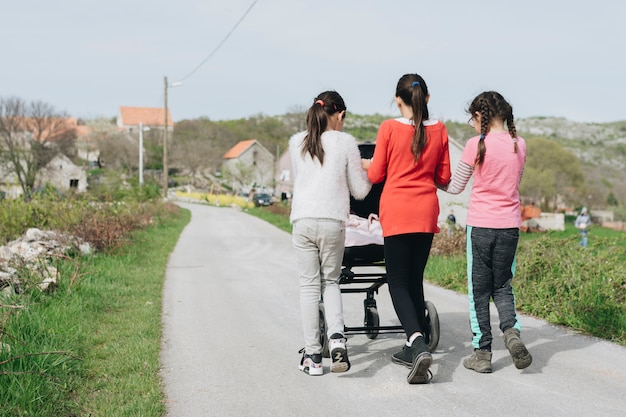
column 232, row 334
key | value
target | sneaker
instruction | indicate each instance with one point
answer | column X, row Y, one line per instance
column 521, row 357
column 311, row 364
column 421, row 358
column 338, row 353
column 480, row 361
column 404, row 357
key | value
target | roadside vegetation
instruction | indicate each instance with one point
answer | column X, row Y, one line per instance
column 91, row 346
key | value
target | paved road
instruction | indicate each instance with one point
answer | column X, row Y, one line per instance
column 232, row 335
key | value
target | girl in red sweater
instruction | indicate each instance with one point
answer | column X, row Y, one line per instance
column 412, row 157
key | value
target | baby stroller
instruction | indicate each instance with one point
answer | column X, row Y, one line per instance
column 367, row 255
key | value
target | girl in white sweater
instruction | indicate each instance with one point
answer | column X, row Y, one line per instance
column 327, row 169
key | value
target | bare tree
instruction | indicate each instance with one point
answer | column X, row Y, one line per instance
column 118, row 151
column 199, row 145
column 31, row 135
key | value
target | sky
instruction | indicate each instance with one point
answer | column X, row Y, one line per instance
column 87, row 58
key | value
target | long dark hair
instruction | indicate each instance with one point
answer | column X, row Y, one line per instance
column 491, row 106
column 413, row 91
column 324, row 105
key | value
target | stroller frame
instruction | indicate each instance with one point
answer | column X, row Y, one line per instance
column 371, row 256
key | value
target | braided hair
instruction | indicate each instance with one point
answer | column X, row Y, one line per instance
column 324, row 105
column 413, row 91
column 491, row 106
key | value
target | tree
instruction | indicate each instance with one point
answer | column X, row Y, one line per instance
column 118, row 151
column 551, row 171
column 31, row 135
column 238, row 175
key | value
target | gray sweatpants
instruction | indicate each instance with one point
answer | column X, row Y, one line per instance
column 490, row 270
column 319, row 245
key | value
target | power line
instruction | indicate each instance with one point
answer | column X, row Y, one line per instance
column 221, row 43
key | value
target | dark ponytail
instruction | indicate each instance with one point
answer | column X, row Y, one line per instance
column 413, row 91
column 324, row 105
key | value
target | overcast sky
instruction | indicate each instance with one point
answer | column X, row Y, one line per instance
column 548, row 58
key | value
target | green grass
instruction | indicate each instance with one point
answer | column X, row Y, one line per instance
column 105, row 328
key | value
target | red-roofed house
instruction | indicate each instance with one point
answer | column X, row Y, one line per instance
column 154, row 117
column 249, row 165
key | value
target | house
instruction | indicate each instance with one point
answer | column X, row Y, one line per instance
column 64, row 175
column 60, row 172
column 129, row 118
column 249, row 164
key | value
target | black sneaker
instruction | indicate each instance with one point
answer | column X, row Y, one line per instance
column 419, row 373
column 338, row 353
column 404, row 357
column 311, row 364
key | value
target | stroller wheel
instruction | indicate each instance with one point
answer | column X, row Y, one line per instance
column 371, row 320
column 433, row 323
column 323, row 336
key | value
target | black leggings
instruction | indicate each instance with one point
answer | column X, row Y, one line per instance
column 405, row 260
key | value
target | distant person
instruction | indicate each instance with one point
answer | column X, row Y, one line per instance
column 451, row 222
column 327, row 169
column 583, row 221
column 496, row 158
column 412, row 157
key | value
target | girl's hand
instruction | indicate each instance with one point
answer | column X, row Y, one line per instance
column 365, row 163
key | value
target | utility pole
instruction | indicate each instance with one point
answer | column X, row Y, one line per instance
column 140, row 153
column 165, row 167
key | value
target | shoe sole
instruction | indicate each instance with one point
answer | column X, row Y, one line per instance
column 419, row 370
column 479, row 370
column 520, row 355
column 340, row 360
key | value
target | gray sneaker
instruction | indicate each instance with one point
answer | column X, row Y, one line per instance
column 521, row 357
column 480, row 361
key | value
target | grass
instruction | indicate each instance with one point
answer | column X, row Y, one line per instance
column 95, row 340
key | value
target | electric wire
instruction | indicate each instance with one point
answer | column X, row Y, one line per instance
column 220, row 44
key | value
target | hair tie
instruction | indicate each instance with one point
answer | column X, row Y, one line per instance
column 482, row 136
column 414, row 84
column 320, row 102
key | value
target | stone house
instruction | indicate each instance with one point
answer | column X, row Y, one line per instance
column 60, row 172
column 249, row 164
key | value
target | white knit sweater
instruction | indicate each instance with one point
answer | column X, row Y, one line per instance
column 323, row 191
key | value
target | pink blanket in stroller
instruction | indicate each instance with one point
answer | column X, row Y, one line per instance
column 362, row 232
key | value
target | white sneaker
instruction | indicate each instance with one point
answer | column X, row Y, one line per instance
column 311, row 364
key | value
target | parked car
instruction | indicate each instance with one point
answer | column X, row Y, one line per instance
column 262, row 199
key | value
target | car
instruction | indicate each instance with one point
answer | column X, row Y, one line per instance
column 262, row 199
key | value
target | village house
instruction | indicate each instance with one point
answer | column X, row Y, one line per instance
column 60, row 172
column 249, row 164
column 129, row 118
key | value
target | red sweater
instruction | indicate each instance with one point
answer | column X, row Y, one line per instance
column 409, row 202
